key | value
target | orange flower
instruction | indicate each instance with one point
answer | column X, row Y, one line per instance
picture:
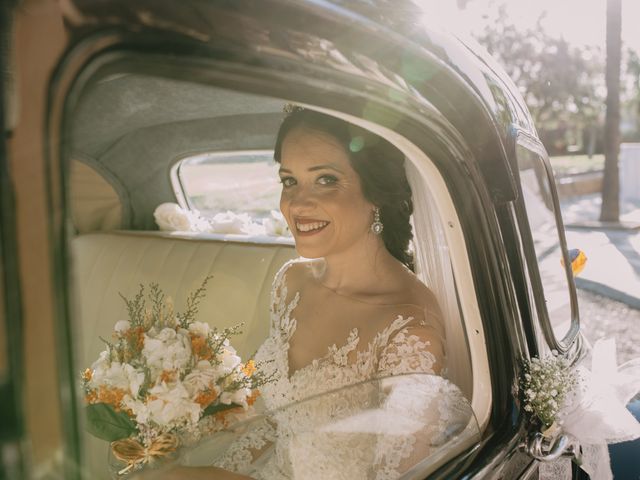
column 104, row 394
column 167, row 376
column 206, row 398
column 222, row 416
column 200, row 347
column 250, row 368
column 91, row 397
column 136, row 335
column 87, row 375
column 251, row 399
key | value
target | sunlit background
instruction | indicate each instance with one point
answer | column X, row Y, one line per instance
column 555, row 51
column 580, row 22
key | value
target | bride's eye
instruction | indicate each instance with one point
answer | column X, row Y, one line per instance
column 287, row 182
column 327, row 180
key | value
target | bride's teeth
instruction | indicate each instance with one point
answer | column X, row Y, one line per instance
column 307, row 227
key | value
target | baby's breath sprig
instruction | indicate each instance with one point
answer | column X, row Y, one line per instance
column 193, row 304
column 135, row 307
column 546, row 383
column 218, row 338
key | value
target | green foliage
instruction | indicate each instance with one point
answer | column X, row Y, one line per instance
column 218, row 407
column 105, row 423
column 561, row 83
column 135, row 307
column 193, row 303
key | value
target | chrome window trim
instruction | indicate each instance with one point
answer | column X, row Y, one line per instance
column 532, row 144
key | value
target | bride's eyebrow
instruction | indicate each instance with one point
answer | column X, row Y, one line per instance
column 327, row 166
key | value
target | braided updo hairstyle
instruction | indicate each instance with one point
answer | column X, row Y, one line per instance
column 380, row 167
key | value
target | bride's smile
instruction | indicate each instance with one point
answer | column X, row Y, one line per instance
column 309, row 226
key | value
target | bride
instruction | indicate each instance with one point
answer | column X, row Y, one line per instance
column 351, row 309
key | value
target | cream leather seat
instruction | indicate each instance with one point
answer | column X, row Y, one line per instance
column 106, row 264
column 109, row 263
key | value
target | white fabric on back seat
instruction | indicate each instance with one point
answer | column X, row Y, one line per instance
column 106, row 264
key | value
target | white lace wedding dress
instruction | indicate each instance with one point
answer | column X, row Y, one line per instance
column 374, row 429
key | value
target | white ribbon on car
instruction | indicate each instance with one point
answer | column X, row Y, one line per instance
column 596, row 414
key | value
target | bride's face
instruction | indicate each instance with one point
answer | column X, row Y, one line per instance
column 322, row 198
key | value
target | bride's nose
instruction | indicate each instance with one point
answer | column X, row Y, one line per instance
column 302, row 200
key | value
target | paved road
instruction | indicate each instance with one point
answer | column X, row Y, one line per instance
column 602, row 317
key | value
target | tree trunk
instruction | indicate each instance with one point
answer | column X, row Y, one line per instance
column 610, row 211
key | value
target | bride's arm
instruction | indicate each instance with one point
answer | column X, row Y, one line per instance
column 192, row 473
column 427, row 398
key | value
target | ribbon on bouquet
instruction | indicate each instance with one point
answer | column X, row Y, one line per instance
column 135, row 454
column 596, row 413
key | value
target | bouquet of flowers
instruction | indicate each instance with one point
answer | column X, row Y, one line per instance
column 546, row 383
column 164, row 379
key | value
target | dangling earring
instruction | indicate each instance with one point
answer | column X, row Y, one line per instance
column 377, row 226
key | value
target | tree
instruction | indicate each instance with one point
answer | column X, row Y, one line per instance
column 610, row 211
column 561, row 84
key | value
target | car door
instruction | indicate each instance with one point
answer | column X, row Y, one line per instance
column 298, row 53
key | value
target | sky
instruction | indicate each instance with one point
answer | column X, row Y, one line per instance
column 581, row 22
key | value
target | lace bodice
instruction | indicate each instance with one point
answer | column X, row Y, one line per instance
column 303, row 441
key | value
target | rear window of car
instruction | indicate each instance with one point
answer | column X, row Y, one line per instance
column 237, row 190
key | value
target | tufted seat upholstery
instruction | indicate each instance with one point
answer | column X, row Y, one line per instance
column 105, row 264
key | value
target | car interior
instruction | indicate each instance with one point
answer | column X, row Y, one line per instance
column 126, row 140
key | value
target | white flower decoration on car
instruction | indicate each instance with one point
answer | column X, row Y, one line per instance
column 171, row 217
column 276, row 225
column 230, row 222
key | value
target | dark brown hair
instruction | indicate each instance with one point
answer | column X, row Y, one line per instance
column 380, row 167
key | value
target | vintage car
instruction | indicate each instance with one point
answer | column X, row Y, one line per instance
column 114, row 107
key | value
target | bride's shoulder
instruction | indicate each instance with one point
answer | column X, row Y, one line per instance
column 419, row 299
column 294, row 273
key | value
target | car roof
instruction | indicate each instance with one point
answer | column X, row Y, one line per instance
column 371, row 41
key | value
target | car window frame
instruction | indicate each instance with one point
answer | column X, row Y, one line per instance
column 524, row 140
column 113, row 61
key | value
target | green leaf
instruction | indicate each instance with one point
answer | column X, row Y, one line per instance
column 220, row 407
column 105, row 423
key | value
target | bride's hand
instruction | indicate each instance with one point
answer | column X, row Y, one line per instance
column 191, row 473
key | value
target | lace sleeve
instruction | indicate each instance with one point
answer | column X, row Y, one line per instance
column 437, row 405
column 414, row 349
column 249, row 452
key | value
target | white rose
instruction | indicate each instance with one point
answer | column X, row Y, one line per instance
column 229, row 359
column 138, row 407
column 100, row 366
column 173, row 405
column 171, row 217
column 202, row 377
column 119, row 375
column 122, row 327
column 168, row 351
column 135, row 378
column 153, row 351
column 276, row 225
column 238, row 397
column 200, row 328
column 230, row 222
